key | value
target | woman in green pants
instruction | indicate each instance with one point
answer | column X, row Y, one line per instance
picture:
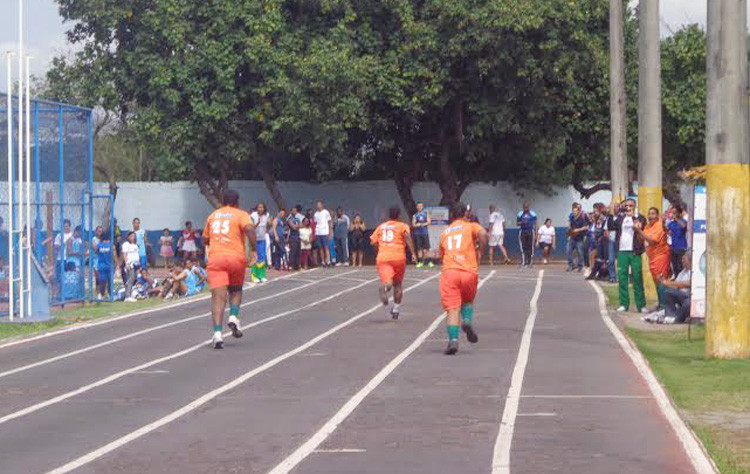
column 630, row 247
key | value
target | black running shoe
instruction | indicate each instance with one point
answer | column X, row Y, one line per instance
column 452, row 347
column 471, row 335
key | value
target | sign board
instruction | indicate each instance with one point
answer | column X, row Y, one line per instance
column 698, row 283
column 440, row 217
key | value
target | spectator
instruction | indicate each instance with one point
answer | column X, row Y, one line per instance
column 545, row 239
column 526, row 221
column 610, row 235
column 597, row 243
column 341, row 226
column 165, row 247
column 144, row 286
column 193, row 282
column 117, row 247
column 677, row 226
column 201, row 273
column 176, row 284
column 677, row 294
column 260, row 220
column 310, row 214
column 305, row 236
column 358, row 240
column 294, row 222
column 62, row 247
column 131, row 255
column 496, row 231
column 577, row 226
column 104, row 266
column 141, row 238
column 654, row 235
column 76, row 252
column 94, row 246
column 187, row 243
column 278, row 250
column 421, row 221
column 322, row 219
column 630, row 248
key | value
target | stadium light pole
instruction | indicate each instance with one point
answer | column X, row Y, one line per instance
column 727, row 182
column 617, row 142
column 649, row 118
column 9, row 98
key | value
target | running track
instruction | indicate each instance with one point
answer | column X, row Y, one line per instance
column 325, row 382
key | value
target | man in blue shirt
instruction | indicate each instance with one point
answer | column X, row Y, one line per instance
column 526, row 221
column 141, row 239
column 678, row 238
column 578, row 223
column 421, row 222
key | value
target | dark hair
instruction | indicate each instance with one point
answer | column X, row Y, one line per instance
column 66, row 221
column 547, row 220
column 165, row 229
column 298, row 207
column 231, row 198
column 105, row 235
column 654, row 209
column 129, row 234
column 78, row 229
column 394, row 212
column 678, row 209
column 458, row 210
column 136, row 219
column 188, row 223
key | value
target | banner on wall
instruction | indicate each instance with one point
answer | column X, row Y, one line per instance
column 698, row 283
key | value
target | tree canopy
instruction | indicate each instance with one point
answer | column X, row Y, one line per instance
column 453, row 91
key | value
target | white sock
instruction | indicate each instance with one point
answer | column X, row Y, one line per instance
column 396, row 306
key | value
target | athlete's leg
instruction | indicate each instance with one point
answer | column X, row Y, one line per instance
column 235, row 299
column 454, row 329
column 218, row 303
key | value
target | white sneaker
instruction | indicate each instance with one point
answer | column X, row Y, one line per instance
column 217, row 340
column 99, row 297
column 234, row 324
column 130, row 300
column 644, row 310
column 669, row 320
column 621, row 309
column 346, row 264
column 263, row 280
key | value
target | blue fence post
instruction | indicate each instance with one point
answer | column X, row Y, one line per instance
column 61, row 155
column 112, row 239
column 37, row 190
column 92, row 227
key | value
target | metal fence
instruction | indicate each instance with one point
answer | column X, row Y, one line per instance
column 59, row 208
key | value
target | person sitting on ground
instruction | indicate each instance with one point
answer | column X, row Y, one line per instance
column 194, row 266
column 178, row 284
column 144, row 285
column 676, row 295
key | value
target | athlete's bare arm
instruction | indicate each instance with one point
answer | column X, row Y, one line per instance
column 482, row 239
column 250, row 233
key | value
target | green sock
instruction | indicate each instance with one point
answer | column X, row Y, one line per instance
column 453, row 332
column 262, row 270
column 217, row 327
column 467, row 313
column 255, row 271
column 234, row 310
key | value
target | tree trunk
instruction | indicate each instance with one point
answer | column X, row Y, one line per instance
column 266, row 172
column 112, row 182
column 577, row 182
column 212, row 189
column 404, row 185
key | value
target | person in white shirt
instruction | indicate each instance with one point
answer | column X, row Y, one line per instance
column 131, row 255
column 322, row 234
column 545, row 239
column 496, row 231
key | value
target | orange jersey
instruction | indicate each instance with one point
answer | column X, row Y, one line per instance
column 390, row 237
column 224, row 232
column 458, row 246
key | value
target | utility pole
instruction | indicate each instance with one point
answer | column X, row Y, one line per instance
column 649, row 117
column 727, row 182
column 617, row 141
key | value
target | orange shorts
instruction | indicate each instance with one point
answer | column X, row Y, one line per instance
column 225, row 270
column 392, row 271
column 457, row 287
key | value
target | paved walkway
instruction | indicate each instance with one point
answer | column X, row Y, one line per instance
column 325, row 382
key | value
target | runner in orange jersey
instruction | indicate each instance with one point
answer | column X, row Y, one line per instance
column 458, row 280
column 391, row 239
column 224, row 237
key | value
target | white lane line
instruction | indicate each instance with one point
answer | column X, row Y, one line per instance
column 79, row 326
column 330, row 426
column 152, row 372
column 501, row 453
column 175, row 355
column 577, row 397
column 542, row 414
column 341, row 451
column 702, row 462
column 145, row 331
column 197, row 403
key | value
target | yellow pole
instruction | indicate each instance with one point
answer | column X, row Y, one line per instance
column 727, row 183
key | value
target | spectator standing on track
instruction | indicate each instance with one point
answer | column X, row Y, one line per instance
column 306, row 238
column 141, row 237
column 545, row 239
column 225, row 232
column 278, row 249
column 358, row 240
column 294, row 222
column 391, row 238
column 322, row 219
column 460, row 274
column 578, row 224
column 103, row 265
column 131, row 255
column 260, row 220
column 341, row 226
column 654, row 235
column 187, row 243
column 496, row 230
column 165, row 247
column 526, row 221
column 677, row 226
column 630, row 247
column 421, row 221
